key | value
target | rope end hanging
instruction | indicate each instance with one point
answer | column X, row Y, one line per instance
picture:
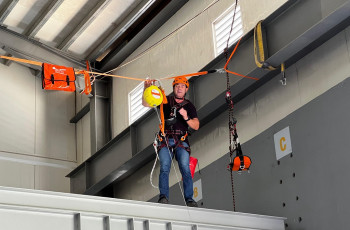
column 284, row 79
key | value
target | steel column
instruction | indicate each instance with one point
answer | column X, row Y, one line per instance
column 100, row 115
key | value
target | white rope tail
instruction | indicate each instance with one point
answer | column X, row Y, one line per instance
column 155, row 162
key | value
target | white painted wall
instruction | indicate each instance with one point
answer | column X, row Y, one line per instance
column 308, row 78
column 256, row 10
column 37, row 142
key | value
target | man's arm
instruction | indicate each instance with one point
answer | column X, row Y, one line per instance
column 192, row 123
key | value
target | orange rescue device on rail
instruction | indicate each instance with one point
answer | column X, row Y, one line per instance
column 241, row 163
column 56, row 77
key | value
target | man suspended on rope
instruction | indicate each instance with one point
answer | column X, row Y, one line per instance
column 180, row 114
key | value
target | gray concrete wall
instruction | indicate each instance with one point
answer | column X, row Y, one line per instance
column 37, row 142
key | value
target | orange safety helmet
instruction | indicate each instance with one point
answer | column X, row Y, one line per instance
column 181, row 79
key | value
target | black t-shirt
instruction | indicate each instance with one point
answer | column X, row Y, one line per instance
column 180, row 124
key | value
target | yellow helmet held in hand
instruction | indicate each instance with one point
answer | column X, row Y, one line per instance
column 153, row 96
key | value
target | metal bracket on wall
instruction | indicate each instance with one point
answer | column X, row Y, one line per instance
column 81, row 113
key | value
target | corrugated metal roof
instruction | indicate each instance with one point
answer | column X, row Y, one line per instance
column 78, row 28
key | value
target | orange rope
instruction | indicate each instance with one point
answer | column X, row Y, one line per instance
column 187, row 75
column 23, row 60
column 138, row 79
column 234, row 50
column 228, row 71
column 77, row 72
column 111, row 75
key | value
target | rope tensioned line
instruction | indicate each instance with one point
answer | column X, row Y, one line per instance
column 225, row 69
column 133, row 78
column 230, row 101
column 22, row 60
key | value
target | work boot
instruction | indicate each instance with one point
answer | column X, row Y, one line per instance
column 163, row 200
column 191, row 203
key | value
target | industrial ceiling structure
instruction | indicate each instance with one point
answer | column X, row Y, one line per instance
column 79, row 30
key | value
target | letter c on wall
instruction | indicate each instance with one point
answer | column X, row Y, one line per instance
column 282, row 145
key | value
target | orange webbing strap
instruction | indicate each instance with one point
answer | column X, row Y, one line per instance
column 161, row 126
column 187, row 75
column 23, row 60
column 88, row 88
column 162, row 122
column 183, row 138
column 228, row 60
column 87, row 65
column 87, row 79
column 228, row 71
column 165, row 100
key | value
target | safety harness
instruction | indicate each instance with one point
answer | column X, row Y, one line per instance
column 179, row 136
column 162, row 137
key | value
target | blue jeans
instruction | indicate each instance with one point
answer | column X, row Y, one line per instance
column 183, row 159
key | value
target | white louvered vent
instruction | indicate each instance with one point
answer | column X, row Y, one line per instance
column 222, row 27
column 136, row 109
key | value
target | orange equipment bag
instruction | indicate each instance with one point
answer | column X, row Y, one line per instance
column 56, row 77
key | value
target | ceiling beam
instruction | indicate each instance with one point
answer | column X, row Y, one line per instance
column 18, row 54
column 43, row 17
column 98, row 8
column 7, row 62
column 118, row 31
column 7, row 10
column 36, row 50
column 126, row 44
